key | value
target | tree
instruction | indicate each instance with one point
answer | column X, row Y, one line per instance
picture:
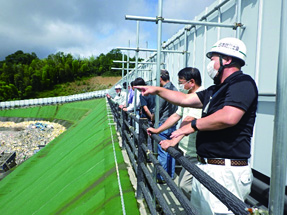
column 23, row 74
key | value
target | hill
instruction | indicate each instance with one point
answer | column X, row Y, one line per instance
column 80, row 86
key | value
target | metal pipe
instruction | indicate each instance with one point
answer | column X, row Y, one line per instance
column 214, row 9
column 136, row 72
column 257, row 70
column 279, row 151
column 238, row 18
column 123, row 66
column 194, row 44
column 204, row 50
column 159, row 38
column 128, row 66
column 204, row 17
column 113, row 68
column 118, row 61
column 149, row 50
column 185, row 47
column 180, row 21
column 136, row 49
column 219, row 21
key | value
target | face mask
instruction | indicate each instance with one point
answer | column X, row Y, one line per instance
column 181, row 87
column 210, row 70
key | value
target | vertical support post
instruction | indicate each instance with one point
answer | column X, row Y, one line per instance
column 123, row 66
column 128, row 68
column 147, row 48
column 159, row 38
column 238, row 29
column 136, row 67
column 124, row 128
column 185, row 47
column 279, row 152
column 141, row 140
column 128, row 60
column 219, row 21
column 194, row 46
column 204, row 47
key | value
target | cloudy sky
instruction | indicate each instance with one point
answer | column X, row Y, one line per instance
column 85, row 27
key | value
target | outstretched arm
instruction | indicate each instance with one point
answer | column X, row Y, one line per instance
column 175, row 97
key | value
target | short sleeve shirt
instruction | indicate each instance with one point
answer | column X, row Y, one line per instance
column 187, row 143
column 148, row 101
column 238, row 90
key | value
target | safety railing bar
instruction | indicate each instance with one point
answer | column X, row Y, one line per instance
column 148, row 199
column 127, row 124
column 226, row 197
column 132, row 158
column 228, row 200
column 175, row 189
column 156, row 190
column 231, row 201
column 135, row 135
column 133, row 116
column 135, row 151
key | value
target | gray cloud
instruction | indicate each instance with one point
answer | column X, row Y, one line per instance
column 82, row 27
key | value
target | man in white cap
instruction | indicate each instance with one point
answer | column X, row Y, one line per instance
column 120, row 97
column 224, row 132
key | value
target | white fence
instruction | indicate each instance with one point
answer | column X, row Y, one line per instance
column 52, row 100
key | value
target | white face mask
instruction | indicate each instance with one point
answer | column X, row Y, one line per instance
column 181, row 87
column 210, row 69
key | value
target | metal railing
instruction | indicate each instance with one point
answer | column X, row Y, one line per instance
column 135, row 143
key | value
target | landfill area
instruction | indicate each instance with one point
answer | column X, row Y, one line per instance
column 27, row 138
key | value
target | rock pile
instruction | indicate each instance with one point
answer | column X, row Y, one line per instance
column 26, row 138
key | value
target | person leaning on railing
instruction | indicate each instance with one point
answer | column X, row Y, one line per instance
column 189, row 81
column 224, row 132
column 120, row 97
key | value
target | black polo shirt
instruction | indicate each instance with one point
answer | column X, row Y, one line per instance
column 238, row 90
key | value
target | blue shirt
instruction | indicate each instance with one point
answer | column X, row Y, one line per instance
column 131, row 96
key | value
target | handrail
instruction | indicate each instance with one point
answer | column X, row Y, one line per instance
column 144, row 176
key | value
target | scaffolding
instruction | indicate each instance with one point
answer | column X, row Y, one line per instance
column 253, row 33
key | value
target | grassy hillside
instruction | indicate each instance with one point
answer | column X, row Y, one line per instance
column 82, row 86
column 75, row 173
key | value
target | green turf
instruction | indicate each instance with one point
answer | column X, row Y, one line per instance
column 75, row 173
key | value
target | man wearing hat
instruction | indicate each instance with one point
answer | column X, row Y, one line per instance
column 120, row 97
column 224, row 132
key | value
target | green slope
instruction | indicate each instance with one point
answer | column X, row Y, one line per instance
column 75, row 173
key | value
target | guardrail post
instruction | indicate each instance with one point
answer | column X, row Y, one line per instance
column 141, row 140
column 124, row 128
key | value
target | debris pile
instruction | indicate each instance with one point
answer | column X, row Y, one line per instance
column 27, row 138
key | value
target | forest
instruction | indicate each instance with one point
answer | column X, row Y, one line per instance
column 24, row 74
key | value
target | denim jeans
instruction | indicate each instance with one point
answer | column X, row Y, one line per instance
column 164, row 158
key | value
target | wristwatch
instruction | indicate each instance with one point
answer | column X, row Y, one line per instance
column 193, row 124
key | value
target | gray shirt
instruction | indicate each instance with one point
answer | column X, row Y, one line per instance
column 166, row 109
